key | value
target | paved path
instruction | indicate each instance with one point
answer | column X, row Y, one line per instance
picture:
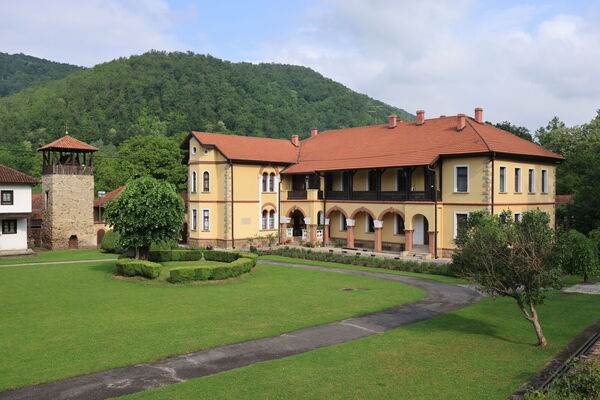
column 586, row 288
column 441, row 298
column 58, row 262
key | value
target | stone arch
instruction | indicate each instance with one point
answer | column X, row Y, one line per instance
column 73, row 242
column 268, row 169
column 294, row 208
column 362, row 209
column 336, row 208
column 391, row 210
column 269, row 205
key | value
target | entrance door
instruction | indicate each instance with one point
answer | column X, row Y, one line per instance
column 419, row 229
column 73, row 243
column 298, row 222
column 99, row 237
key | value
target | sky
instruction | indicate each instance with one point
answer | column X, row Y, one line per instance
column 522, row 61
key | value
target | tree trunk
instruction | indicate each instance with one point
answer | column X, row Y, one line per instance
column 586, row 278
column 532, row 316
column 143, row 253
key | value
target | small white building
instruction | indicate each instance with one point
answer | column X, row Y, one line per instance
column 15, row 210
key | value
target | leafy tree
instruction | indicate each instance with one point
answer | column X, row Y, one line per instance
column 577, row 254
column 510, row 259
column 519, row 131
column 147, row 211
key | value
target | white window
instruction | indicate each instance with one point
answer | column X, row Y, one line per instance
column 205, row 152
column 517, row 217
column 517, row 179
column 206, row 219
column 206, row 181
column 460, row 218
column 343, row 223
column 194, row 149
column 531, row 183
column 272, row 219
column 194, row 219
column 265, row 216
column 265, row 182
column 369, row 224
column 544, row 181
column 271, row 182
column 194, row 182
column 503, row 178
column 461, row 178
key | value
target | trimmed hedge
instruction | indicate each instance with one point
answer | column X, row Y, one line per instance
column 133, row 267
column 175, row 255
column 240, row 265
column 221, row 256
column 373, row 262
column 110, row 242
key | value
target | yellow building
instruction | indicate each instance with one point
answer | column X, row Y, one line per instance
column 400, row 187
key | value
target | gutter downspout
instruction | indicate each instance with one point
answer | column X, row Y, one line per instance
column 324, row 208
column 435, row 212
column 232, row 208
column 279, row 209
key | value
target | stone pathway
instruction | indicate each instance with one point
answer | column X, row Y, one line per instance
column 586, row 288
column 57, row 262
column 441, row 298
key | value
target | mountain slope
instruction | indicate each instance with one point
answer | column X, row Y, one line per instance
column 20, row 71
column 161, row 93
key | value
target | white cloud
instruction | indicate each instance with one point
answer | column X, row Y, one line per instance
column 86, row 32
column 449, row 57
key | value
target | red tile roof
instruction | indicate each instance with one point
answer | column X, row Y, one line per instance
column 110, row 195
column 563, row 198
column 408, row 144
column 68, row 143
column 9, row 175
column 100, row 201
column 248, row 148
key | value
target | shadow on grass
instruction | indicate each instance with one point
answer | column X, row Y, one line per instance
column 469, row 326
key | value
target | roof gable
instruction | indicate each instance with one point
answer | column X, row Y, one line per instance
column 9, row 175
column 68, row 143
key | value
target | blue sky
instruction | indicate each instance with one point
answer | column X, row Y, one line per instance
column 522, row 61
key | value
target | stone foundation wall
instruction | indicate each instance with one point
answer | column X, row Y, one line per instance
column 69, row 211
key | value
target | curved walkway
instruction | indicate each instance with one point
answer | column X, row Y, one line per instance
column 441, row 298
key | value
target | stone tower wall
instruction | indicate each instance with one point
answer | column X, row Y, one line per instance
column 69, row 210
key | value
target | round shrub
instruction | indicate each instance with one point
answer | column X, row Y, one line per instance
column 110, row 242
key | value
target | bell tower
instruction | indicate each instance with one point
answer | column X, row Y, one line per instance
column 68, row 194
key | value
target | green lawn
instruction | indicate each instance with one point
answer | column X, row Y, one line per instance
column 482, row 352
column 439, row 278
column 59, row 255
column 69, row 319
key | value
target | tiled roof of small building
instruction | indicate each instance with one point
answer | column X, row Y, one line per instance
column 68, row 143
column 9, row 175
column 99, row 201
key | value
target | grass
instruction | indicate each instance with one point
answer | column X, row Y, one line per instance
column 571, row 280
column 481, row 352
column 58, row 255
column 63, row 320
column 439, row 278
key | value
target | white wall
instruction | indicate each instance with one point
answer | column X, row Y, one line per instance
column 15, row 241
column 22, row 199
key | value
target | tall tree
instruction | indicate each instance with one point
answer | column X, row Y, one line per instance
column 510, row 259
column 519, row 131
column 147, row 211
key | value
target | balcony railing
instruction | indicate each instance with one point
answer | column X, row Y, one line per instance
column 296, row 195
column 67, row 169
column 384, row 196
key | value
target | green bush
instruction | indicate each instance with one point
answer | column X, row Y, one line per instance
column 110, row 242
column 373, row 262
column 175, row 255
column 133, row 267
column 577, row 254
column 221, row 256
column 235, row 268
column 581, row 383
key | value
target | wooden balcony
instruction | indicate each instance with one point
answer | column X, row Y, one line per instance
column 384, row 195
column 67, row 169
column 296, row 195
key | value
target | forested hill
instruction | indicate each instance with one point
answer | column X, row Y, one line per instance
column 19, row 71
column 162, row 94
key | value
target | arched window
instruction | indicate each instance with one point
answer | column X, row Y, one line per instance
column 264, row 219
column 399, row 228
column 271, row 182
column 194, row 182
column 320, row 219
column 265, row 178
column 206, row 181
column 272, row 219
